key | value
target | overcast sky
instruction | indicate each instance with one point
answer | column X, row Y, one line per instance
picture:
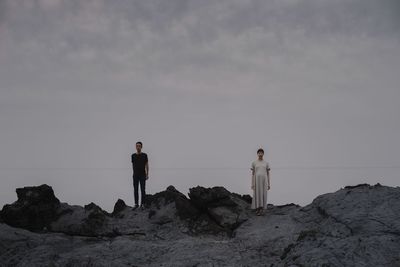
column 203, row 84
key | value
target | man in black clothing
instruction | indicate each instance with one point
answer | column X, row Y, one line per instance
column 140, row 166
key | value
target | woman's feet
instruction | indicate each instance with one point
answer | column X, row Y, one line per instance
column 259, row 211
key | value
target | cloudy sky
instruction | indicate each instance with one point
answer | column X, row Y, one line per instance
column 202, row 84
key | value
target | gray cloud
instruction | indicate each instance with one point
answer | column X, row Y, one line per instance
column 202, row 83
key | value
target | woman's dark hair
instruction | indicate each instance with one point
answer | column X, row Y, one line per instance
column 260, row 150
column 140, row 143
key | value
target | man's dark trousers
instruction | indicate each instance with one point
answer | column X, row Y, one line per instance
column 142, row 181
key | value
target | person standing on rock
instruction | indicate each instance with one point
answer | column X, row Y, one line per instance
column 140, row 166
column 260, row 183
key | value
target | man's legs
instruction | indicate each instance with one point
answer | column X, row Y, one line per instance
column 136, row 190
column 143, row 190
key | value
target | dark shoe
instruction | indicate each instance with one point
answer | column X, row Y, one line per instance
column 142, row 207
column 135, row 207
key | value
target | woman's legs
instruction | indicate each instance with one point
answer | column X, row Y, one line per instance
column 258, row 211
column 261, row 212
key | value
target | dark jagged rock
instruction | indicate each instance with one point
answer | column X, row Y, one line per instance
column 36, row 195
column 356, row 186
column 34, row 210
column 287, row 205
column 91, row 206
column 184, row 208
column 118, row 207
column 94, row 221
column 247, row 198
column 89, row 220
column 204, row 198
column 226, row 209
column 196, row 221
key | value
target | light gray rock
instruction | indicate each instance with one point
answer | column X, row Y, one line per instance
column 355, row 226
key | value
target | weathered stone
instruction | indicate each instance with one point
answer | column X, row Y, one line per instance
column 184, row 208
column 169, row 203
column 203, row 198
column 118, row 207
column 359, row 223
column 247, row 198
column 35, row 208
column 93, row 207
column 227, row 209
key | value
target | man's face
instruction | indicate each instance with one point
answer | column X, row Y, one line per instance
column 260, row 154
column 138, row 147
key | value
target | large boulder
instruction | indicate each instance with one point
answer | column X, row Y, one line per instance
column 184, row 208
column 118, row 207
column 204, row 198
column 34, row 210
column 170, row 205
column 225, row 208
column 37, row 209
column 89, row 220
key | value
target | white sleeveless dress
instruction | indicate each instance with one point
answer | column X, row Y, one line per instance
column 260, row 182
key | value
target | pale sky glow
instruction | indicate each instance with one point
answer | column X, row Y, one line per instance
column 203, row 84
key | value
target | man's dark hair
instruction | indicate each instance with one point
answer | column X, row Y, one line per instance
column 260, row 150
column 140, row 143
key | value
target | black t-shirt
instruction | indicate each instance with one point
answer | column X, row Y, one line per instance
column 139, row 162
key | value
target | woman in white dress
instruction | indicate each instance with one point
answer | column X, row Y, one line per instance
column 260, row 183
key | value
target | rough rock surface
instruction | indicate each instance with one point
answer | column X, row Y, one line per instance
column 355, row 226
column 35, row 208
column 226, row 209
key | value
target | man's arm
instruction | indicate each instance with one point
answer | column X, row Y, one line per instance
column 133, row 172
column 147, row 170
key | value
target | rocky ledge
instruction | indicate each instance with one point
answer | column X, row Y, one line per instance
column 355, row 226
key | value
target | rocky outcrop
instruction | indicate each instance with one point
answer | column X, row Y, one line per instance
column 37, row 209
column 184, row 209
column 34, row 210
column 226, row 209
column 169, row 205
column 355, row 226
column 118, row 207
column 358, row 226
